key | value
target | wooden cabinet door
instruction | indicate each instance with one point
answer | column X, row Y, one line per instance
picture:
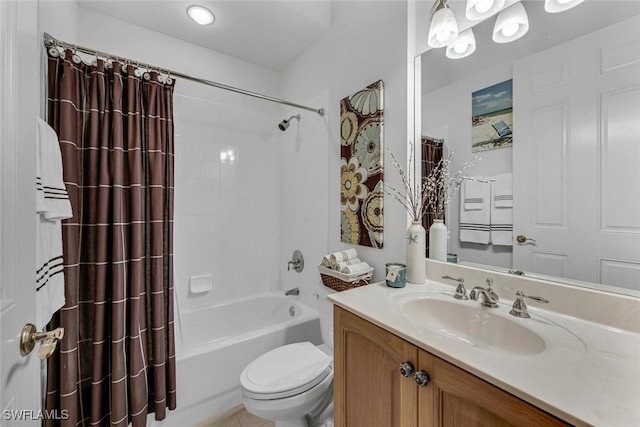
column 369, row 390
column 455, row 398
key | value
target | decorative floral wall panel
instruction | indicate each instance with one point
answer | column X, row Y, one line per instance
column 361, row 184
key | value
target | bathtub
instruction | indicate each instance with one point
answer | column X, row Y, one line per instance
column 217, row 343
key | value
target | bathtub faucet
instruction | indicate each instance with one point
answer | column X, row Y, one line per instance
column 297, row 261
column 294, row 291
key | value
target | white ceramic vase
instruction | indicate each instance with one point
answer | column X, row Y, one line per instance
column 438, row 240
column 416, row 252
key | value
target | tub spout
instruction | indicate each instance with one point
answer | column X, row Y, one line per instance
column 294, row 291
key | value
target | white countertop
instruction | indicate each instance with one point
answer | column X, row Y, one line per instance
column 590, row 378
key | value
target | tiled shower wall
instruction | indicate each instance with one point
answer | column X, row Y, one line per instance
column 227, row 195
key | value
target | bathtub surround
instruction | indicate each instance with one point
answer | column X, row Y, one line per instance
column 117, row 357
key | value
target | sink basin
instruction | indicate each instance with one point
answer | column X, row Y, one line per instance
column 469, row 322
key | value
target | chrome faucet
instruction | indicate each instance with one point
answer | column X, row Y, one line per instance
column 294, row 291
column 519, row 308
column 461, row 292
column 489, row 297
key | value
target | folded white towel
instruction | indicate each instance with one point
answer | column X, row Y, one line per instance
column 475, row 224
column 475, row 194
column 49, row 183
column 361, row 267
column 339, row 266
column 501, row 219
column 503, row 191
column 343, row 255
column 52, row 205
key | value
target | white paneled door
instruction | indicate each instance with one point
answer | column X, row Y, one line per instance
column 20, row 394
column 577, row 158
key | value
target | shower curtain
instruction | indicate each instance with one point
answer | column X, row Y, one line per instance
column 432, row 152
column 116, row 362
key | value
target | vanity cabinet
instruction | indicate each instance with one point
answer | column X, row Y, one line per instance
column 370, row 391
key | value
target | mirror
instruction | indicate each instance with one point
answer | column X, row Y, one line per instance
column 595, row 38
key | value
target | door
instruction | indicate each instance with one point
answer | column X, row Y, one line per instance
column 576, row 156
column 369, row 390
column 20, row 393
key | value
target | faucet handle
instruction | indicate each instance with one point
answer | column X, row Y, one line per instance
column 461, row 292
column 519, row 308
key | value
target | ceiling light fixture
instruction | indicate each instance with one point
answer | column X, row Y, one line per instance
column 555, row 6
column 511, row 24
column 462, row 46
column 444, row 28
column 200, row 15
column 478, row 10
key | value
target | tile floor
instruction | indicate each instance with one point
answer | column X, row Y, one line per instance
column 235, row 417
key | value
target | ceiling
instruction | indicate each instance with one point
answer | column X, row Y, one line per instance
column 269, row 33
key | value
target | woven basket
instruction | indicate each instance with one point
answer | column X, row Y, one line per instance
column 339, row 284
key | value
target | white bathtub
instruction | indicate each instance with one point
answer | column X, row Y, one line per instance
column 219, row 342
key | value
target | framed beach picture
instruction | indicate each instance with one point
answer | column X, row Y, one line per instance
column 492, row 117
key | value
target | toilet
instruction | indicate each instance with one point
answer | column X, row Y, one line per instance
column 293, row 384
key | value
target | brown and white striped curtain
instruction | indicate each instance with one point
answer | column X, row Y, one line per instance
column 432, row 152
column 116, row 362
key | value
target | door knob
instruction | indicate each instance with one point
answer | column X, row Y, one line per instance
column 29, row 337
column 406, row 369
column 523, row 239
column 421, row 378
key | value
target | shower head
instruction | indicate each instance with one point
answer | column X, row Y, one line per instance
column 286, row 122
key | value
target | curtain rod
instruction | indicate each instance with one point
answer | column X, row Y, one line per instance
column 50, row 41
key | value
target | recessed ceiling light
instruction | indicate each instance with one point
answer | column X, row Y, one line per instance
column 200, row 15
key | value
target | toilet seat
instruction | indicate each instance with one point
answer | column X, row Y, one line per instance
column 285, row 371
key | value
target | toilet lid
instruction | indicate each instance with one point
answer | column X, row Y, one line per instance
column 285, row 371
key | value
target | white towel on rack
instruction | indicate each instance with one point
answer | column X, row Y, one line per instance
column 501, row 212
column 361, row 267
column 503, row 191
column 475, row 194
column 475, row 223
column 52, row 206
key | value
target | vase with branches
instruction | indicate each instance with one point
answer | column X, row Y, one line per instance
column 432, row 195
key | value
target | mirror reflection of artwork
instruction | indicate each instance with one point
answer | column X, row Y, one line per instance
column 492, row 117
column 361, row 185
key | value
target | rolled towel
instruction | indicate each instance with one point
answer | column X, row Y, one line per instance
column 326, row 260
column 341, row 256
column 339, row 266
column 359, row 268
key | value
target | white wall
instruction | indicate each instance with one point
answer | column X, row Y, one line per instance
column 446, row 113
column 367, row 42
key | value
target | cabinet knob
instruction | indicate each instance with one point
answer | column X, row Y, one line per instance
column 421, row 378
column 406, row 369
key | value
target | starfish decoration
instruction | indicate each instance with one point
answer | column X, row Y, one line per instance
column 413, row 238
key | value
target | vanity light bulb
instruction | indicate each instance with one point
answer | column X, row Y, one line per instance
column 463, row 46
column 460, row 47
column 511, row 24
column 478, row 10
column 443, row 29
column 555, row 6
column 510, row 30
column 483, row 6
